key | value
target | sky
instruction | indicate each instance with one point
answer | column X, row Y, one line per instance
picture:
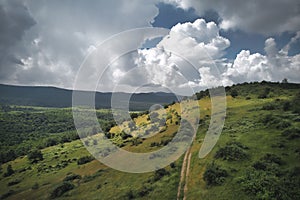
column 207, row 43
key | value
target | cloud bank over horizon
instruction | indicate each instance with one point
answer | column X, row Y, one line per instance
column 44, row 43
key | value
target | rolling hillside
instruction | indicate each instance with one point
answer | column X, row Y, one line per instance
column 62, row 98
column 256, row 157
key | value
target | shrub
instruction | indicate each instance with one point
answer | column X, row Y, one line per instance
column 172, row 165
column 153, row 144
column 260, row 184
column 61, row 189
column 283, row 124
column 129, row 195
column 269, row 119
column 275, row 122
column 296, row 103
column 134, row 115
column 264, row 94
column 7, row 194
column 269, row 107
column 125, row 135
column 9, row 171
column 234, row 93
column 272, row 158
column 260, row 165
column 160, row 173
column 144, row 191
column 35, row 156
column 214, row 175
column 231, row 152
column 88, row 178
column 72, row 177
column 286, row 106
column 35, row 186
column 85, row 159
column 13, row 182
column 136, row 141
column 291, row 133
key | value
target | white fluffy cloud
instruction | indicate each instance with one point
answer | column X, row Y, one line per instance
column 267, row 17
column 191, row 56
column 274, row 66
column 188, row 56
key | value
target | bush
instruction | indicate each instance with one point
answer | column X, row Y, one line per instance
column 134, row 115
column 35, row 156
column 129, row 195
column 264, row 94
column 85, row 159
column 286, row 106
column 72, row 177
column 272, row 158
column 172, row 165
column 269, row 106
column 269, row 119
column 61, row 189
column 283, row 124
column 214, row 175
column 296, row 103
column 13, row 182
column 232, row 152
column 136, row 141
column 234, row 93
column 260, row 184
column 269, row 163
column 275, row 122
column 144, row 191
column 35, row 186
column 291, row 133
column 7, row 194
column 89, row 178
column 160, row 173
column 9, row 171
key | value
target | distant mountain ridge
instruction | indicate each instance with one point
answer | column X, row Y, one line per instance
column 45, row 96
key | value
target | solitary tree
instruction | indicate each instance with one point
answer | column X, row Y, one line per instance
column 284, row 80
column 9, row 171
column 234, row 93
column 35, row 156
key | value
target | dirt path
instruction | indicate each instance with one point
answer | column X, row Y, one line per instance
column 184, row 175
column 187, row 176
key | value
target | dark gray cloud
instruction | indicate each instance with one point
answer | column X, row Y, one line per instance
column 15, row 20
column 266, row 17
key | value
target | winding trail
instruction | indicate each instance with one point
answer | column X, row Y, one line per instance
column 187, row 176
column 184, row 175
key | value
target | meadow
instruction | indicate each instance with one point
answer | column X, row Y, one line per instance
column 256, row 157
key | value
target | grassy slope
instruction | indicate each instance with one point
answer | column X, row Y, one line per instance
column 242, row 124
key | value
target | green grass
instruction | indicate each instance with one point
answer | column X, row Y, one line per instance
column 244, row 124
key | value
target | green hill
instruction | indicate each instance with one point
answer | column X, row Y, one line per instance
column 62, row 98
column 256, row 157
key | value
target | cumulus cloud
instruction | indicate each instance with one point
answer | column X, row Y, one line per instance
column 192, row 56
column 189, row 56
column 274, row 66
column 267, row 17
